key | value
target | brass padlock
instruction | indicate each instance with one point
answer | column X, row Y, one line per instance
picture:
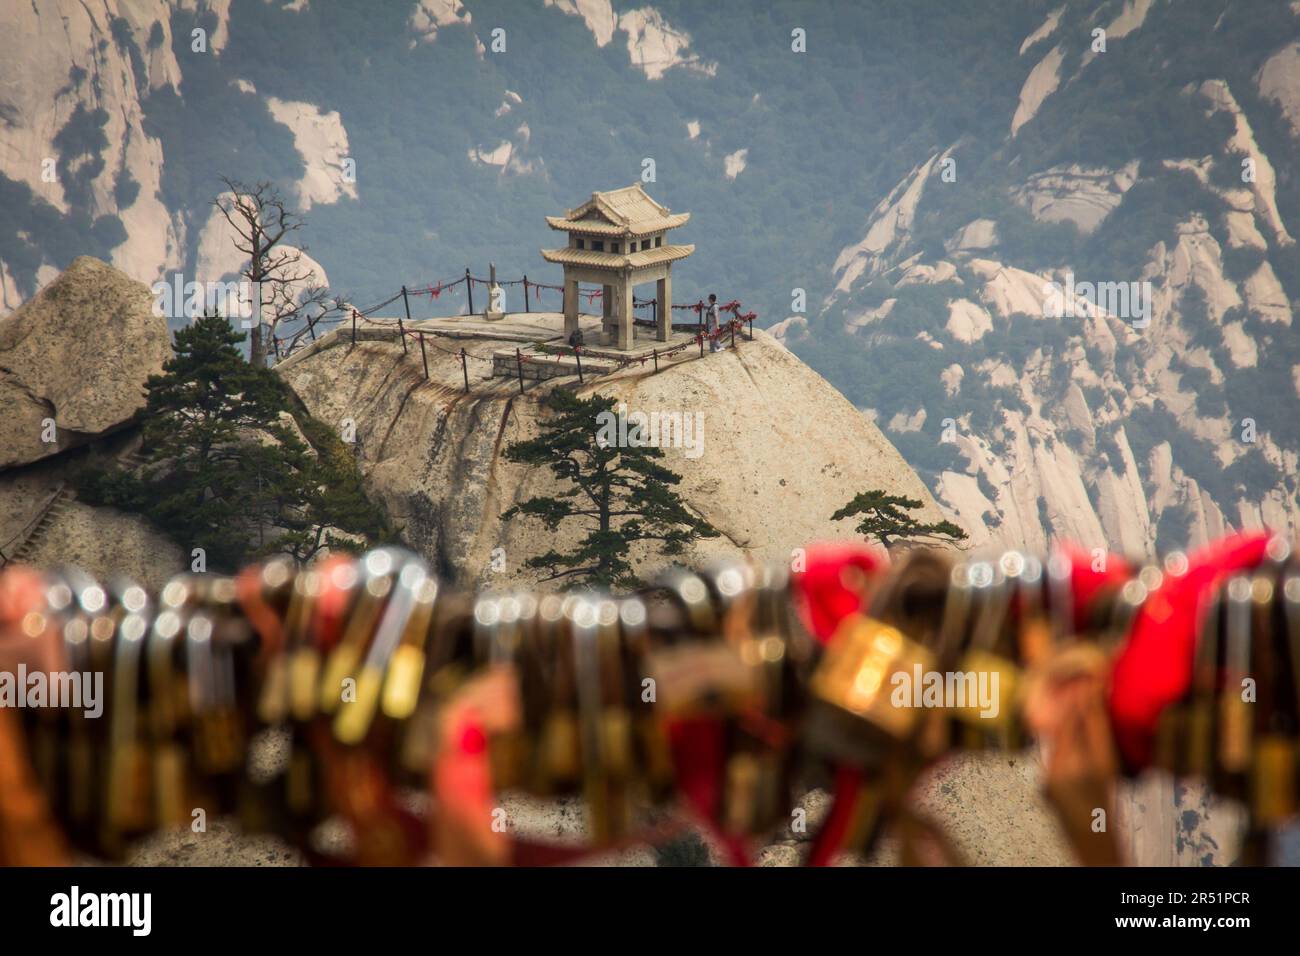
column 988, row 662
column 859, row 674
column 410, row 605
column 1236, row 714
column 1198, row 746
column 129, row 802
column 1273, row 780
column 171, row 796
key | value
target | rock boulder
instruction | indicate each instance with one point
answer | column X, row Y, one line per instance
column 78, row 353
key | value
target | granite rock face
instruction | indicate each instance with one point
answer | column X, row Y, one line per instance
column 777, row 448
column 77, row 354
column 1116, row 418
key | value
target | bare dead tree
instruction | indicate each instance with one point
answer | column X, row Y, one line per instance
column 262, row 221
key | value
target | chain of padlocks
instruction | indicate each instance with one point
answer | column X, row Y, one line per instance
column 726, row 692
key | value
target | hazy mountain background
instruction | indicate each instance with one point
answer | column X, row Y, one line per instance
column 919, row 172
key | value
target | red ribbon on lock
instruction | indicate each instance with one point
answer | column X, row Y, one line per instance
column 832, row 584
column 1154, row 669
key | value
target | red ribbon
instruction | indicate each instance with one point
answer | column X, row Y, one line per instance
column 1154, row 669
column 699, row 758
column 834, row 832
column 825, row 590
column 1089, row 582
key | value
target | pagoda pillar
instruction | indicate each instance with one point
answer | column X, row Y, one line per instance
column 623, row 311
column 607, row 311
column 664, row 309
column 570, row 305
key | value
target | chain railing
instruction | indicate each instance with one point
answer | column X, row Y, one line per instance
column 425, row 337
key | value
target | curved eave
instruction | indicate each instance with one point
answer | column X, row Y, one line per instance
column 569, row 256
column 642, row 228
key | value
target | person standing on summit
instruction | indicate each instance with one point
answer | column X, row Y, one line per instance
column 711, row 324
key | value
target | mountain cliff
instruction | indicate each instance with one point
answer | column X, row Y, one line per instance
column 1082, row 327
column 776, row 448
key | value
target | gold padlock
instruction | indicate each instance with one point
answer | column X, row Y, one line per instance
column 1236, row 717
column 982, row 670
column 859, row 674
column 560, row 750
column 171, row 800
column 1273, row 780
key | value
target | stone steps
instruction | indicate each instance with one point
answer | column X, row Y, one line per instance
column 55, row 508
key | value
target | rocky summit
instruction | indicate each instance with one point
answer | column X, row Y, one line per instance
column 776, row 448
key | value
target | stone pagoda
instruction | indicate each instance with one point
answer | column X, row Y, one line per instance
column 617, row 240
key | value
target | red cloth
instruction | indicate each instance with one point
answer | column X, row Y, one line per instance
column 824, row 596
column 834, row 833
column 1154, row 669
column 1086, row 583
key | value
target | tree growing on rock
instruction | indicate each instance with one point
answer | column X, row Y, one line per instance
column 885, row 517
column 232, row 467
column 619, row 494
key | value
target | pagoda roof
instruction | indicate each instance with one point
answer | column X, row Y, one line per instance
column 612, row 260
column 618, row 212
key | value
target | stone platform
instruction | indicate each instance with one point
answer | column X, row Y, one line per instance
column 599, row 356
column 532, row 333
column 524, row 327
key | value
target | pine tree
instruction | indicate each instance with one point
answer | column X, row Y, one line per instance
column 620, row 494
column 226, row 470
column 885, row 518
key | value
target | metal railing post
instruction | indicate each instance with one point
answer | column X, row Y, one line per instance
column 401, row 329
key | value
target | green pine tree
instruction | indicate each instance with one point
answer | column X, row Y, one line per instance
column 620, row 495
column 225, row 469
column 885, row 518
